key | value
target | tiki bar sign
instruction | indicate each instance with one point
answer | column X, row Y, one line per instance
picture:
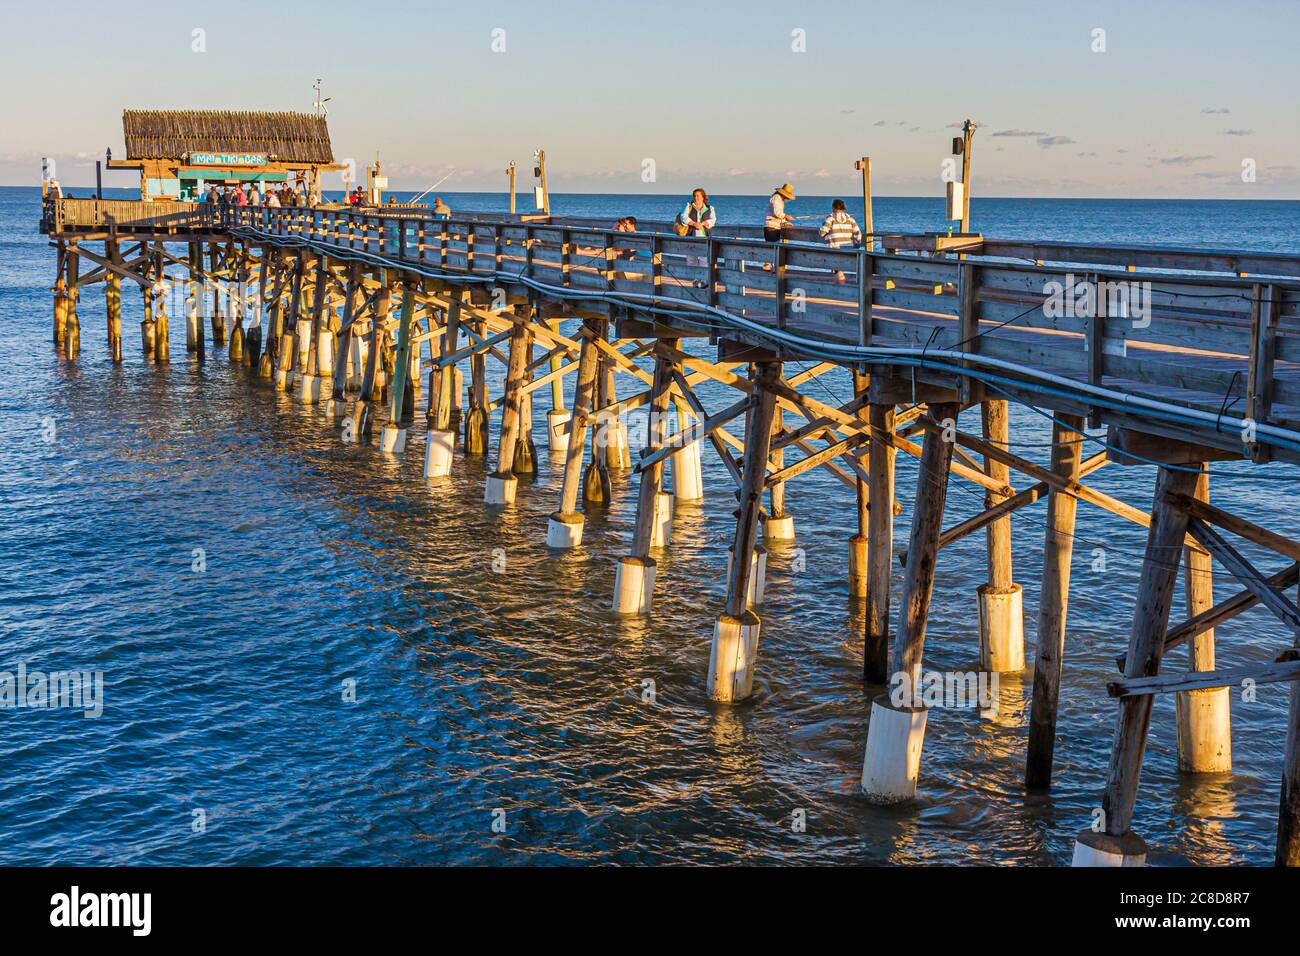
column 227, row 159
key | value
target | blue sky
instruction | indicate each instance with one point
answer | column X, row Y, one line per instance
column 718, row 94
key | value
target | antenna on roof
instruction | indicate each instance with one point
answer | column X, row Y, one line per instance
column 320, row 103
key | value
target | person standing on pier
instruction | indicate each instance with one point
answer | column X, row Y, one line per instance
column 840, row 229
column 440, row 209
column 699, row 218
column 777, row 217
column 254, row 197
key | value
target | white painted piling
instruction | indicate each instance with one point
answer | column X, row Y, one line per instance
column 892, row 763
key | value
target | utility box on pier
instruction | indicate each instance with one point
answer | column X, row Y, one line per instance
column 956, row 195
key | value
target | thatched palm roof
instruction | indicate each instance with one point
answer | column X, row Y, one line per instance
column 169, row 134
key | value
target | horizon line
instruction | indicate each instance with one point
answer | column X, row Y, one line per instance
column 936, row 198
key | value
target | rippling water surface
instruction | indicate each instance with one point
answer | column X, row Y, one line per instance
column 518, row 691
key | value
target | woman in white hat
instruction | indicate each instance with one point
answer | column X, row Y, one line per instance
column 776, row 214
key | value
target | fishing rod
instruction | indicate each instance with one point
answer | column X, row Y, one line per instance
column 434, row 186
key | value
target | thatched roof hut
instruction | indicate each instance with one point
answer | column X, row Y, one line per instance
column 282, row 137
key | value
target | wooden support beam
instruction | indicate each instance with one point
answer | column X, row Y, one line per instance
column 1225, row 610
column 1177, row 682
column 700, row 429
column 351, row 306
column 816, row 459
column 918, row 581
column 1053, row 601
column 1168, row 530
column 1074, row 488
column 1007, row 505
column 652, row 472
column 583, row 397
column 1246, row 574
column 859, row 572
column 402, row 361
column 811, row 408
column 1209, row 514
column 996, row 433
column 880, row 544
column 714, row 433
column 113, row 303
column 520, row 344
column 1288, row 815
column 735, row 637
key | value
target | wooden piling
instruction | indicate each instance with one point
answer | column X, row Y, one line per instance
column 736, row 631
column 352, row 297
column 72, row 333
column 275, row 320
column 896, row 731
column 1053, row 602
column 779, row 527
column 148, row 327
column 880, row 543
column 476, row 417
column 219, row 285
column 1145, row 648
column 1001, row 614
column 923, row 548
column 583, row 397
column 394, row 434
column 113, row 302
column 634, row 582
column 162, row 326
column 362, row 414
column 1288, row 816
column 194, row 305
column 565, row 527
column 1203, row 717
column 525, row 462
column 61, row 294
column 501, row 484
column 596, row 486
column 859, row 575
column 235, row 334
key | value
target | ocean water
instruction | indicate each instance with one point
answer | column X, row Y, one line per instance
column 492, row 685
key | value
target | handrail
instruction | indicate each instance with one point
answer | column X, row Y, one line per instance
column 306, row 229
column 1212, row 262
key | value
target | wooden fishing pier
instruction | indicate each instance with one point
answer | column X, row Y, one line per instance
column 1187, row 358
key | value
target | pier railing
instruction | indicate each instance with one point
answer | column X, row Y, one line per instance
column 1211, row 330
column 1217, row 342
column 61, row 216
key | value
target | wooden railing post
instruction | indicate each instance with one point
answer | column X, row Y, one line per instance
column 866, row 269
column 713, row 272
column 1264, row 312
column 657, row 265
column 779, row 273
column 968, row 322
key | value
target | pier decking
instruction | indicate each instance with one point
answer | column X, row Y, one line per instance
column 1187, row 357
